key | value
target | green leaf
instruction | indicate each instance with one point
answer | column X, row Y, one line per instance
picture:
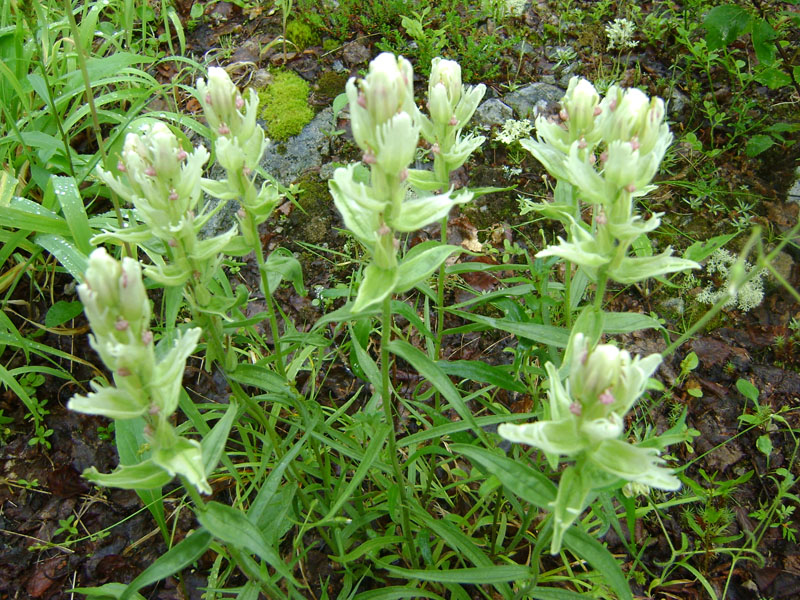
column 396, row 592
column 261, row 377
column 748, row 390
column 176, row 558
column 526, row 482
column 628, row 322
column 543, row 334
column 213, row 443
column 144, row 476
column 586, row 547
column 724, row 24
column 377, row 284
column 699, row 251
column 479, row 371
column 61, row 312
column 234, row 527
column 281, row 265
column 68, row 196
column 773, row 77
column 475, row 575
column 72, row 259
column 106, row 591
column 431, row 372
column 371, row 453
column 420, row 263
column 764, row 444
column 763, row 36
column 757, row 144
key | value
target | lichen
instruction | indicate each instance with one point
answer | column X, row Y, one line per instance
column 284, row 105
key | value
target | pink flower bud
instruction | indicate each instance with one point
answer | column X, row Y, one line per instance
column 603, row 156
column 582, row 143
column 403, row 175
column 223, row 129
column 239, row 102
column 597, row 111
column 362, row 100
column 435, row 149
column 384, row 229
column 564, row 115
column 634, row 143
column 123, row 280
column 606, row 397
column 182, row 154
column 630, row 188
column 208, row 99
column 575, row 409
column 147, row 337
column 173, row 195
column 369, row 158
column 124, row 372
column 154, row 409
column 120, row 166
column 121, row 324
column 602, row 219
column 612, row 106
column 150, row 172
column 241, row 213
column 247, row 171
column 592, row 159
column 453, row 122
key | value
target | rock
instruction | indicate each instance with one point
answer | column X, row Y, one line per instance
column 356, row 54
column 783, row 263
column 524, row 48
column 493, row 112
column 287, row 161
column 261, row 79
column 794, row 191
column 534, row 99
column 676, row 103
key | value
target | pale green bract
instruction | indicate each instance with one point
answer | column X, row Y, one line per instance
column 584, row 422
column 118, row 310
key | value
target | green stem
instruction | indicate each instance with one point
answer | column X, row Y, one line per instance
column 602, row 281
column 273, row 320
column 386, row 400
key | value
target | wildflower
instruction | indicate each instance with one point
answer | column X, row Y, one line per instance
column 620, row 35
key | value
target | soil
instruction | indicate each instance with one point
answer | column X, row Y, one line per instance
column 42, row 486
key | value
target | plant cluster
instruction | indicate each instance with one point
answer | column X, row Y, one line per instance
column 419, row 474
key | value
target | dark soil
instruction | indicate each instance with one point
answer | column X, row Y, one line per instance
column 41, row 486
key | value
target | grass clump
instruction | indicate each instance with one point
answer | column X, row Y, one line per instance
column 284, row 105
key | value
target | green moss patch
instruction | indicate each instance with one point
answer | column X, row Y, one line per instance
column 284, row 105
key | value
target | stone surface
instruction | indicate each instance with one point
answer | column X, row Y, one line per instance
column 303, row 152
column 534, row 99
column 493, row 112
column 356, row 54
column 794, row 191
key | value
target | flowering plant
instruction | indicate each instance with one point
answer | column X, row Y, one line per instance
column 583, row 423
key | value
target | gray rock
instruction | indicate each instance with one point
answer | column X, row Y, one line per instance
column 493, row 112
column 356, row 54
column 676, row 103
column 674, row 306
column 287, row 161
column 783, row 263
column 533, row 99
column 524, row 48
column 794, row 191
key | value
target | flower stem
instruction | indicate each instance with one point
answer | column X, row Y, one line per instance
column 273, row 320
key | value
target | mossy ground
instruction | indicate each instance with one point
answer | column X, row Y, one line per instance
column 284, row 105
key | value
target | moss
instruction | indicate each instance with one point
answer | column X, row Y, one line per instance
column 301, row 35
column 284, row 105
column 313, row 223
column 330, row 85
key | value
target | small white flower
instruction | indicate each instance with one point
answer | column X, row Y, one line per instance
column 620, row 35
